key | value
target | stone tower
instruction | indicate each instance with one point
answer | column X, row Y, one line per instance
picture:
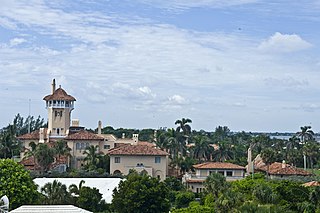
column 59, row 105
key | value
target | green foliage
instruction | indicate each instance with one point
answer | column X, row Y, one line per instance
column 16, row 183
column 90, row 199
column 55, row 193
column 263, row 194
column 228, row 201
column 184, row 198
column 194, row 209
column 44, row 156
column 141, row 194
column 209, row 200
column 174, row 184
column 215, row 184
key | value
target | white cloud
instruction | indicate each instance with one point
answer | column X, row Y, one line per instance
column 284, row 43
column 177, row 100
column 179, row 5
column 17, row 41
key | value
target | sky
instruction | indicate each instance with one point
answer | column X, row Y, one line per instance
column 251, row 65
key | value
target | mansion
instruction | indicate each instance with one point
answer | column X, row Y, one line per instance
column 141, row 155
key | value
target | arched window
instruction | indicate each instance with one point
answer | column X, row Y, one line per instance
column 78, row 146
column 83, row 146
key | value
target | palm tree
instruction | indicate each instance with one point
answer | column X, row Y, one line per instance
column 74, row 189
column 202, row 148
column 224, row 152
column 305, row 134
column 44, row 156
column 31, row 152
column 61, row 148
column 311, row 150
column 268, row 156
column 184, row 126
column 215, row 183
column 92, row 156
column 55, row 193
column 172, row 141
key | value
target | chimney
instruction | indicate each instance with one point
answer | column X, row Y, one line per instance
column 99, row 127
column 53, row 85
column 283, row 164
column 41, row 135
column 135, row 138
column 123, row 135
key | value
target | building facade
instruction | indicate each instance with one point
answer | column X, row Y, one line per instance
column 59, row 105
column 230, row 171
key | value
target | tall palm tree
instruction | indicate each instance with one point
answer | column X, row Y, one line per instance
column 268, row 156
column 202, row 148
column 311, row 150
column 184, row 126
column 92, row 156
column 305, row 134
column 172, row 142
column 55, row 193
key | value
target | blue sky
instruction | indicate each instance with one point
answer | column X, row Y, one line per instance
column 252, row 65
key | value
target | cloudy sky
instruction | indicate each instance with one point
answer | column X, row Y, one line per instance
column 251, row 65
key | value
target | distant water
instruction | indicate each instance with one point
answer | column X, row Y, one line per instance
column 286, row 137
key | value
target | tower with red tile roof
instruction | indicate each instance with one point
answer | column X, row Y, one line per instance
column 59, row 105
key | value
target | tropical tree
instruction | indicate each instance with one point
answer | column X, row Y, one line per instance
column 305, row 134
column 221, row 133
column 215, row 183
column 175, row 145
column 184, row 126
column 44, row 156
column 90, row 199
column 55, row 193
column 9, row 145
column 74, row 189
column 17, row 184
column 61, row 148
column 268, row 157
column 202, row 149
column 31, row 152
column 92, row 156
column 311, row 150
column 141, row 194
column 224, row 152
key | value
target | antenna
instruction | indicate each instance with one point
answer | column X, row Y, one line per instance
column 29, row 116
column 4, row 202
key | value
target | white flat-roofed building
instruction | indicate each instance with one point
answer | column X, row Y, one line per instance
column 105, row 185
column 49, row 209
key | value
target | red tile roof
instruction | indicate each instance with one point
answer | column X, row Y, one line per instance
column 277, row 168
column 146, row 143
column 195, row 180
column 312, row 183
column 217, row 165
column 59, row 94
column 84, row 135
column 136, row 150
column 35, row 135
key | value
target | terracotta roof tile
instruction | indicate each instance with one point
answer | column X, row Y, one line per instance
column 146, row 143
column 217, row 165
column 35, row 135
column 136, row 150
column 195, row 180
column 59, row 94
column 277, row 168
column 84, row 135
